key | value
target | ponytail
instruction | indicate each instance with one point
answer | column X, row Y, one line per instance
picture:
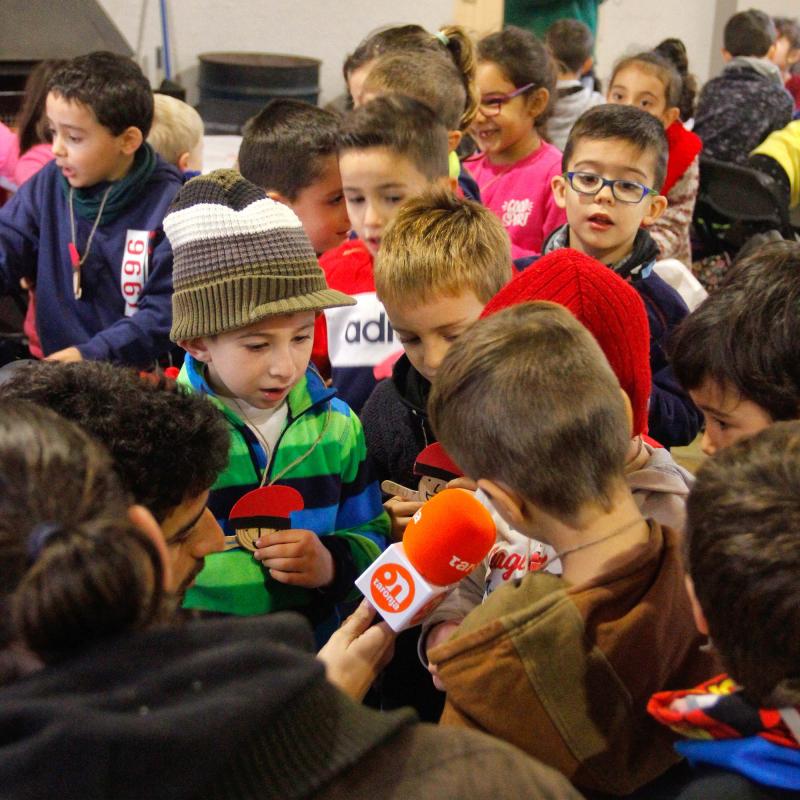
column 459, row 45
column 73, row 568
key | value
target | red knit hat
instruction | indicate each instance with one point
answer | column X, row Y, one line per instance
column 602, row 301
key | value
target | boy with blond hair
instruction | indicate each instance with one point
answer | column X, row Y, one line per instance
column 441, row 260
column 390, row 150
column 177, row 133
column 247, row 290
column 528, row 406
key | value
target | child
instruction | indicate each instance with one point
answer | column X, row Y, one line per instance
column 614, row 314
column 571, row 44
column 736, row 354
column 740, row 107
column 86, row 229
column 289, row 150
column 614, row 162
column 24, row 152
column 390, row 150
column 574, row 657
column 674, row 50
column 743, row 556
column 787, row 45
column 441, row 260
column 177, row 134
column 436, row 69
column 247, row 288
column 650, row 82
column 516, row 78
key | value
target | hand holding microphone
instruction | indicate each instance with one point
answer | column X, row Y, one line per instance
column 445, row 540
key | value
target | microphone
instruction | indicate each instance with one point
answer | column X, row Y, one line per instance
column 446, row 539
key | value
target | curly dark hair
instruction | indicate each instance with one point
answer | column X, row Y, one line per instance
column 167, row 444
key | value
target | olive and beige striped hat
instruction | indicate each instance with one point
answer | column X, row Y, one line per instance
column 238, row 257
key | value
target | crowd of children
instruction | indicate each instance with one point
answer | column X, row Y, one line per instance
column 477, row 256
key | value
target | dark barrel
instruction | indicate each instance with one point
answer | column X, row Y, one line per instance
column 235, row 86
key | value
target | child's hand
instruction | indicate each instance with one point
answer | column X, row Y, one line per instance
column 355, row 655
column 400, row 512
column 463, row 483
column 67, row 354
column 296, row 557
column 438, row 634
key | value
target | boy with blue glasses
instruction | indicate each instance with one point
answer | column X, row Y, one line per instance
column 613, row 166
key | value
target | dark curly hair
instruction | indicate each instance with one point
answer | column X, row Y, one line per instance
column 167, row 445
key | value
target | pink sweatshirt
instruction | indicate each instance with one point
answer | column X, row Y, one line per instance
column 521, row 196
column 18, row 168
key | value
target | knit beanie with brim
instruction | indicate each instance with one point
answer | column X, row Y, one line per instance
column 238, row 257
column 607, row 305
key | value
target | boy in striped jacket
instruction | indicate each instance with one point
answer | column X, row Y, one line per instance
column 247, row 291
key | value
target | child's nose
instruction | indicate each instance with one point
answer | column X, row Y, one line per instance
column 372, row 216
column 707, row 444
column 58, row 145
column 281, row 365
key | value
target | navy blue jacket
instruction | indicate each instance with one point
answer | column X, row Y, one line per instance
column 34, row 240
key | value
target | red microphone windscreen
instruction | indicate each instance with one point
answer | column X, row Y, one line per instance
column 449, row 536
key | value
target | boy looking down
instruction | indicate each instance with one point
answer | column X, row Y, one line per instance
column 247, row 289
column 574, row 656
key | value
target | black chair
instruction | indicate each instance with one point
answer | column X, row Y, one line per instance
column 735, row 203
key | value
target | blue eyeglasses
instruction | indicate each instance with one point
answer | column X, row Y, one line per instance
column 625, row 191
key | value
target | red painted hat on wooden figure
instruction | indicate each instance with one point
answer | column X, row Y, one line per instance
column 264, row 510
column 435, row 469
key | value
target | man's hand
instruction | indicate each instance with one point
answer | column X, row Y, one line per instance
column 355, row 655
column 438, row 634
column 296, row 557
column 400, row 512
column 67, row 354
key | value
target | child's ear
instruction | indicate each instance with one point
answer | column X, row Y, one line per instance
column 726, row 56
column 453, row 140
column 278, row 197
column 559, row 186
column 130, row 140
column 446, row 182
column 197, row 349
column 656, row 207
column 770, row 56
column 628, row 410
column 587, row 65
column 697, row 611
column 508, row 504
column 538, row 102
column 183, row 161
column 670, row 115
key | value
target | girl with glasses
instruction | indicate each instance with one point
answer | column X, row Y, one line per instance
column 516, row 79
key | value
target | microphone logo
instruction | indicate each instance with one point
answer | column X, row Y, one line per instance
column 392, row 588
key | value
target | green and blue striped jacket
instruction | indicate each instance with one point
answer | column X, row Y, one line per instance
column 322, row 454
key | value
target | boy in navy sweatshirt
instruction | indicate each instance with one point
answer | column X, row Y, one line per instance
column 86, row 232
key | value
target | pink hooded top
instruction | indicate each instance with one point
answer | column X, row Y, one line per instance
column 521, row 196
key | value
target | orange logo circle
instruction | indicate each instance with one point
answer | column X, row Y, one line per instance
column 392, row 588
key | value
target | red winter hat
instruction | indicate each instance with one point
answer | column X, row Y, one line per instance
column 602, row 301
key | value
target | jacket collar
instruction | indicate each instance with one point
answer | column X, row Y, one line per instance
column 309, row 391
